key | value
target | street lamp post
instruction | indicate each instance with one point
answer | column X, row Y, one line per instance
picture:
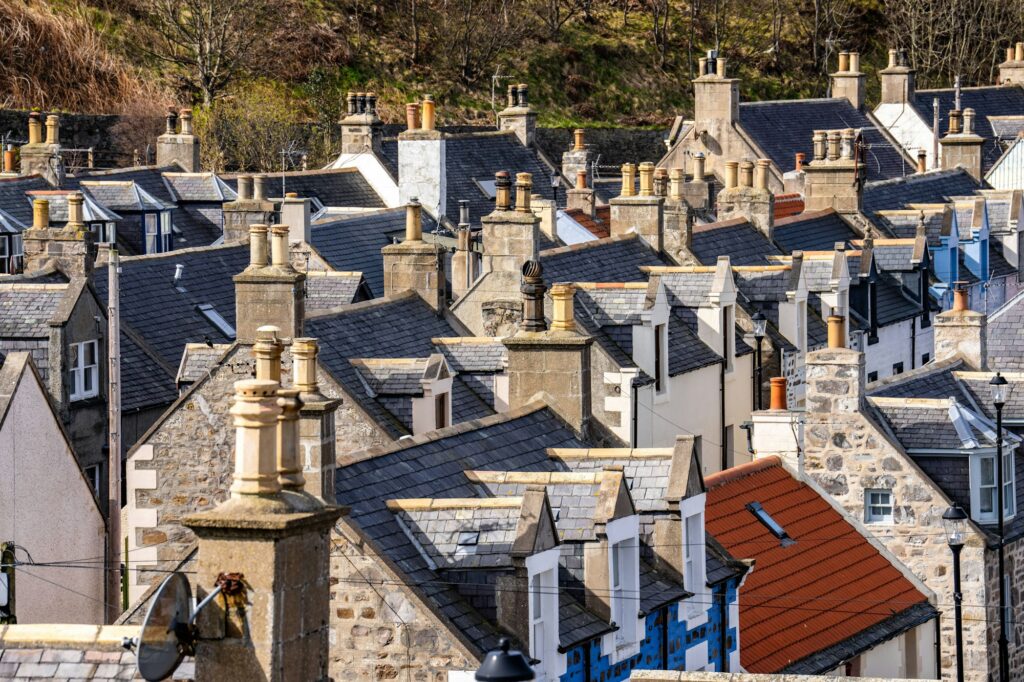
column 999, row 392
column 955, row 521
column 760, row 323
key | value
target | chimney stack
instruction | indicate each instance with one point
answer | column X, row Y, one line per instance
column 848, row 81
column 70, row 248
column 295, row 213
column 835, row 178
column 269, row 294
column 678, row 219
column 361, row 129
column 40, row 157
column 748, row 199
column 421, row 159
column 899, row 81
column 179, row 148
column 962, row 332
column 510, row 236
column 415, row 264
column 577, row 159
column 316, row 422
column 465, row 268
column 716, row 103
column 581, row 196
column 961, row 146
column 247, row 209
column 642, row 213
column 1011, row 72
column 518, row 117
column 551, row 364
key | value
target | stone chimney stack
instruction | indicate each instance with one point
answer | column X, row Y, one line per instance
column 70, row 248
column 554, row 363
column 642, row 213
column 245, row 211
column 899, row 80
column 277, row 627
column 361, row 129
column 678, row 220
column 1011, row 72
column 848, row 81
column 835, row 178
column 716, row 99
column 962, row 332
column 751, row 199
column 415, row 264
column 510, row 236
column 39, row 156
column 316, row 422
column 421, row 159
column 464, row 261
column 182, row 147
column 269, row 294
column 835, row 381
column 581, row 196
column 295, row 214
column 518, row 116
column 962, row 146
column 577, row 159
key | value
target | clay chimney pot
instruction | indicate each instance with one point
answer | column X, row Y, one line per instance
column 960, row 304
column 778, row 394
column 428, row 112
column 731, row 174
column 413, row 225
column 412, row 116
column 257, row 246
column 40, row 214
column 581, row 179
column 836, row 331
column 562, row 316
column 524, row 187
column 578, row 144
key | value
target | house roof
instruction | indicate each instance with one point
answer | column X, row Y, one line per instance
column 197, row 224
column 13, row 198
column 149, row 178
column 68, row 652
column 934, row 380
column 27, row 309
column 783, row 128
column 331, row 187
column 736, row 238
column 9, row 224
column 122, row 196
column 935, row 424
column 827, row 587
column 472, row 353
column 201, row 187
column 328, row 289
column 986, row 101
column 145, row 380
column 921, row 188
column 1006, row 335
column 812, row 231
column 58, row 200
column 599, row 225
column 615, row 259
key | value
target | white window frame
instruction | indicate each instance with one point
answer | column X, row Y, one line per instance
column 694, row 548
column 79, row 370
column 165, row 231
column 977, row 461
column 869, row 505
column 661, row 358
column 729, row 337
column 151, row 232
column 623, row 536
column 92, row 475
column 542, row 570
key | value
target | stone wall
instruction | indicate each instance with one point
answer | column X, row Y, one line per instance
column 1014, row 560
column 79, row 131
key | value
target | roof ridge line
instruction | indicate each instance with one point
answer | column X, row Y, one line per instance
column 741, row 471
column 558, row 250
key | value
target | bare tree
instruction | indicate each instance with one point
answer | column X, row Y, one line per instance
column 660, row 27
column 556, row 13
column 209, row 42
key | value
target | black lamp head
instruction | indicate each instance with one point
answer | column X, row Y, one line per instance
column 505, row 665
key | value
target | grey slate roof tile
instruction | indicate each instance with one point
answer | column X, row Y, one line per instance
column 345, row 187
column 13, row 199
column 473, row 355
column 26, row 309
column 1006, row 335
column 326, row 290
column 926, row 188
column 813, row 231
column 615, row 259
column 738, row 239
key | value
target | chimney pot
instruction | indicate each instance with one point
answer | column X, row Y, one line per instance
column 855, row 62
column 291, row 195
column 361, row 102
column 968, row 119
column 523, row 100
column 698, row 167
column 747, row 174
column 562, row 316
column 413, row 226
column 892, row 58
column 428, row 112
column 731, row 174
column 257, row 246
column 844, row 62
column 834, row 139
column 35, row 128
column 9, row 159
column 533, row 290
column 255, row 411
column 702, row 66
column 267, row 351
column 186, row 121
column 524, row 186
column 628, row 173
column 676, row 178
column 53, row 129
column 412, row 116
column 1019, row 54
column 954, row 122
column 40, row 214
column 646, row 179
column 259, row 192
column 720, row 66
column 171, row 119
column 304, row 352
column 661, row 182
column 1010, row 54
column 581, row 179
column 761, row 174
column 847, row 137
column 778, row 394
column 244, row 187
column 76, row 217
column 800, row 156
column 464, row 212
column 922, row 161
column 960, row 297
column 371, row 103
column 836, row 331
column 819, row 139
column 502, row 191
column 279, row 256
column 578, row 144
column 350, row 103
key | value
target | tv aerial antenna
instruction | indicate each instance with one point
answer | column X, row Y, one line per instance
column 169, row 632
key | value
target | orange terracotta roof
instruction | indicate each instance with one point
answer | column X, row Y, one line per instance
column 787, row 205
column 595, row 226
column 827, row 587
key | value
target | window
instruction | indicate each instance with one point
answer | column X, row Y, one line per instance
column 85, row 370
column 104, row 233
column 11, row 254
column 152, row 233
column 694, row 567
column 925, row 358
column 623, row 588
column 983, row 487
column 878, row 506
column 691, row 551
column 660, row 375
column 617, row 593
column 872, row 376
column 897, row 368
column 216, row 319
column 441, row 410
column 165, row 231
column 771, row 524
column 467, row 543
column 728, row 336
column 542, row 607
column 92, row 474
column 537, row 637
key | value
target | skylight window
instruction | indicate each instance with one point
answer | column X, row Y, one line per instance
column 771, row 524
column 467, row 542
column 487, row 187
column 215, row 318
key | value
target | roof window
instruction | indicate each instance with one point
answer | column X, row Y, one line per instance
column 215, row 318
column 762, row 515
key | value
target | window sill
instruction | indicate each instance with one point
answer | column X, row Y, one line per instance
column 85, row 401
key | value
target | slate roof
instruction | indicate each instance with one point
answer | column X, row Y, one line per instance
column 1008, row 127
column 26, row 309
column 616, row 259
column 122, row 196
column 894, row 304
column 998, row 266
column 13, row 199
column 829, row 586
column 986, row 101
column 472, row 354
column 197, row 225
column 87, row 652
column 812, row 231
column 935, row 424
column 329, row 289
column 198, row 360
column 1006, row 335
column 736, row 238
column 354, row 243
column 903, row 224
column 331, row 187
column 764, row 284
column 202, row 187
column 440, row 532
column 145, row 381
column 398, row 327
column 9, row 224
column 58, row 200
column 575, row 501
column 392, row 376
column 612, row 303
column 149, row 178
column 433, row 467
column 689, row 289
column 924, row 188
column 783, row 128
column 934, row 380
column 891, row 255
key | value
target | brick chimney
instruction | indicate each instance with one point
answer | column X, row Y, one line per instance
column 278, row 620
column 848, row 81
column 581, row 196
column 361, row 129
column 641, row 212
column 550, row 363
column 177, row 147
column 751, row 199
column 1011, row 72
column 246, row 210
column 421, row 159
column 316, row 422
column 269, row 293
column 518, row 116
column 578, row 158
column 295, row 214
column 415, row 264
column 70, row 248
column 961, row 146
column 42, row 156
column 898, row 79
column 835, row 178
column 962, row 332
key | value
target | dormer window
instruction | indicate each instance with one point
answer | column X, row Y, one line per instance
column 104, row 232
column 624, row 587
column 442, row 411
column 728, row 337
column 984, row 494
column 542, row 569
column 691, row 510
column 157, row 227
column 660, row 357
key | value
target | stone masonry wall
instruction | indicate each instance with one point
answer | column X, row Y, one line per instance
column 1014, row 554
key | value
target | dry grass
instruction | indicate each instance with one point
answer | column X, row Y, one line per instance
column 58, row 61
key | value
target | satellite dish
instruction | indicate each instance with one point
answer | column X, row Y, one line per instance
column 166, row 636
